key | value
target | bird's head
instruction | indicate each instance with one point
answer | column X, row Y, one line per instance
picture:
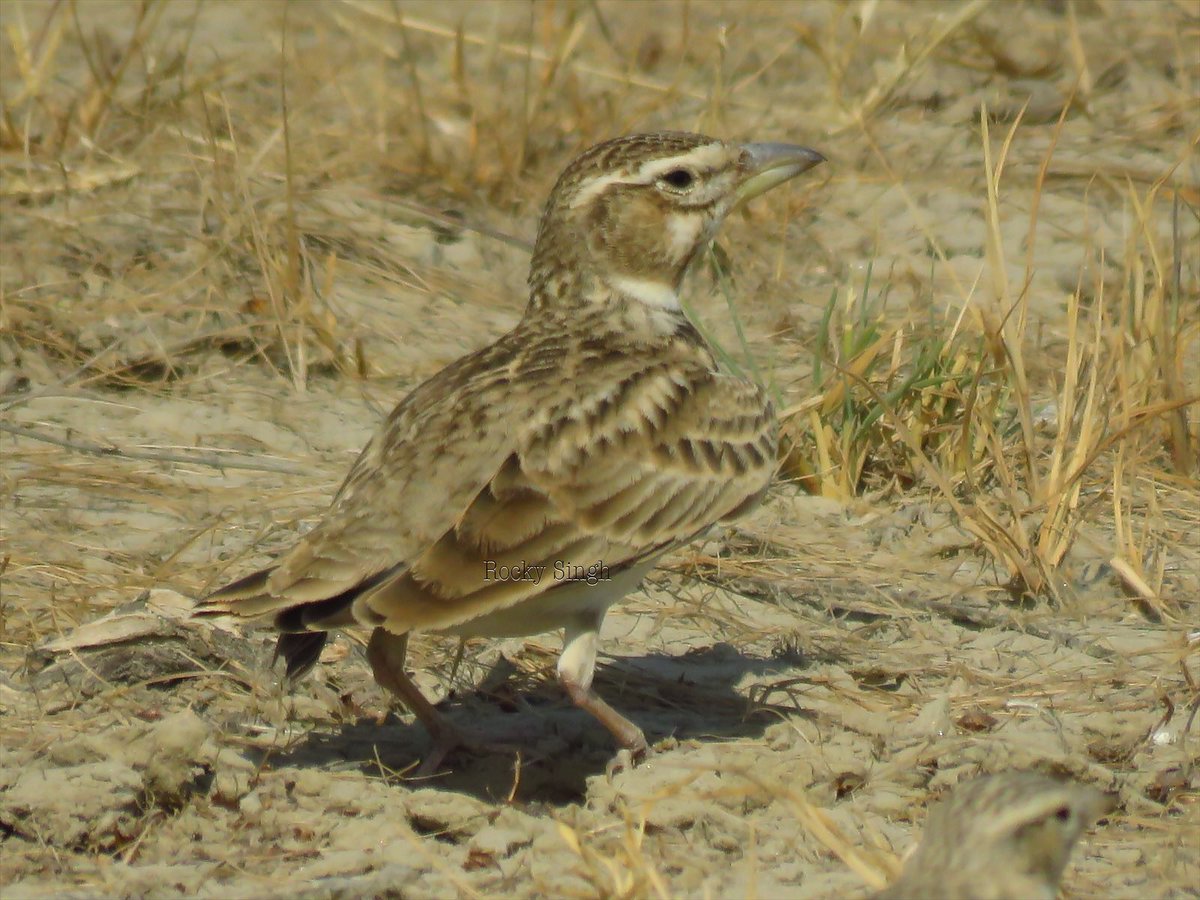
column 629, row 216
column 1017, row 826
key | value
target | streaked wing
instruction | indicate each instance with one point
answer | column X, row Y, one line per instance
column 615, row 458
column 630, row 473
column 439, row 447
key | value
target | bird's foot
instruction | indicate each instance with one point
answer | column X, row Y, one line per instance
column 449, row 739
column 634, row 751
column 624, row 760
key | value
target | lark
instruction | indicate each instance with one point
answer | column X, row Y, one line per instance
column 595, row 437
column 999, row 837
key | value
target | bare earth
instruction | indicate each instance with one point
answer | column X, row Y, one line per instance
column 223, row 308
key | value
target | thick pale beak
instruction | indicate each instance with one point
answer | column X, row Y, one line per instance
column 768, row 165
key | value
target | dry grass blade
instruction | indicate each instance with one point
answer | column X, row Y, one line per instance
column 1006, row 334
column 628, row 873
column 35, row 185
column 525, row 51
column 207, row 458
column 818, row 823
column 34, row 63
column 907, row 62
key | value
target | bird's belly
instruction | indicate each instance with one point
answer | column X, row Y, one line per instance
column 562, row 603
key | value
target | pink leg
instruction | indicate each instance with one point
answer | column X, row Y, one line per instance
column 385, row 653
column 576, row 667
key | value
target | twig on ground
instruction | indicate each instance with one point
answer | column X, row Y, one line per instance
column 214, row 460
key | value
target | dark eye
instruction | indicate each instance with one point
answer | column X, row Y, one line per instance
column 679, row 179
column 1063, row 814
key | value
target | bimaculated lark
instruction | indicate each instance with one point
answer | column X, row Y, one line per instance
column 530, row 485
column 999, row 837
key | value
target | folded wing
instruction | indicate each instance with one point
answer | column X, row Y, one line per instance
column 644, row 460
column 627, row 476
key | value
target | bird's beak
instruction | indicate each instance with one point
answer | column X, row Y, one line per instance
column 768, row 165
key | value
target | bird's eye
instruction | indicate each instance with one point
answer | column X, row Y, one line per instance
column 1063, row 814
column 679, row 179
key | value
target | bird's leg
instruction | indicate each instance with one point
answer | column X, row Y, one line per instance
column 386, row 653
column 576, row 667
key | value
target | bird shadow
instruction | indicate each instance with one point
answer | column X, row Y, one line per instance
column 556, row 747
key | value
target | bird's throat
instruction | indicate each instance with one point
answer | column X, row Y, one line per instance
column 652, row 293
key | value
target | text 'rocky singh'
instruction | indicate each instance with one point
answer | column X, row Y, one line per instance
column 561, row 571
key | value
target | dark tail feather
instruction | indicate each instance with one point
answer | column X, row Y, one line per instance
column 300, row 652
column 301, row 643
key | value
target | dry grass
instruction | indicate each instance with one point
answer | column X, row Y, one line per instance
column 986, row 310
column 956, row 408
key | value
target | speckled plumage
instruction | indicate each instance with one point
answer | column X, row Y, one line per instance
column 999, row 837
column 599, row 430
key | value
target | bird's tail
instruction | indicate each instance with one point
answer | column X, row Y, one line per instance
column 249, row 598
column 246, row 598
column 304, row 623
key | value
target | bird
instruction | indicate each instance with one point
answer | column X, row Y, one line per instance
column 529, row 485
column 999, row 837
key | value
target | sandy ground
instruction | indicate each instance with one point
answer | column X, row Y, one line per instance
column 229, row 308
